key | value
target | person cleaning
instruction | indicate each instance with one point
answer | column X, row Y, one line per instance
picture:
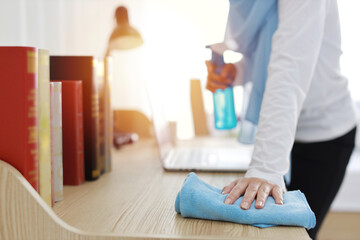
column 299, row 100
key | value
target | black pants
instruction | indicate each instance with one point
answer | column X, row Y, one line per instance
column 318, row 169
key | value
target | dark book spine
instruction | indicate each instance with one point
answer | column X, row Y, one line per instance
column 83, row 68
column 79, row 131
column 101, row 90
column 95, row 143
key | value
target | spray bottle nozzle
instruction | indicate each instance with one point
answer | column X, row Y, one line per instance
column 216, row 58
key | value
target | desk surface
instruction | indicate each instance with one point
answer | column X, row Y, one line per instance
column 138, row 196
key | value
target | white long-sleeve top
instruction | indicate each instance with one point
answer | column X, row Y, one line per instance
column 306, row 97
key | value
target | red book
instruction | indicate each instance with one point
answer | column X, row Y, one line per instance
column 18, row 110
column 73, row 132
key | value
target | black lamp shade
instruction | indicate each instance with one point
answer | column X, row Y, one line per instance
column 124, row 36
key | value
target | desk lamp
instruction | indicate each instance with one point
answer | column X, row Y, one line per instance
column 124, row 36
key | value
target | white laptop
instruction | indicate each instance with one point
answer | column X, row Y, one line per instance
column 200, row 154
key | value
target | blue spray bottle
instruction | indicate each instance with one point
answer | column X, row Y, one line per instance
column 224, row 109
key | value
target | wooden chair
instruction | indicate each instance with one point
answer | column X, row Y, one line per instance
column 133, row 121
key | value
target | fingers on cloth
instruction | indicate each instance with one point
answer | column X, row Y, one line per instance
column 250, row 194
column 236, row 192
column 262, row 195
column 227, row 189
column 277, row 194
column 264, row 191
column 256, row 189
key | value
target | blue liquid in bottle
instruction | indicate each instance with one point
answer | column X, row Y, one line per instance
column 224, row 109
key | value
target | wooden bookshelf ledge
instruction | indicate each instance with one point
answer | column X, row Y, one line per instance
column 134, row 201
column 24, row 215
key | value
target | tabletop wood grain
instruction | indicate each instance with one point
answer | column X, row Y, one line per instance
column 138, row 196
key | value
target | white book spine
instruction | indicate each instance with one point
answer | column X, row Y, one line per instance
column 56, row 139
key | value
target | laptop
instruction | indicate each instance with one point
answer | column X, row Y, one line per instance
column 215, row 154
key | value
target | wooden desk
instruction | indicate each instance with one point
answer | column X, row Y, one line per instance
column 138, row 197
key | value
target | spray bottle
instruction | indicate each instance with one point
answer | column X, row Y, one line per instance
column 224, row 109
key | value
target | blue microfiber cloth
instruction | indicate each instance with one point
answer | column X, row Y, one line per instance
column 198, row 199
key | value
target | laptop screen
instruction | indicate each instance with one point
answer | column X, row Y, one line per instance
column 161, row 126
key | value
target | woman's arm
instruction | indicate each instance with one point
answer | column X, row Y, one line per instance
column 295, row 48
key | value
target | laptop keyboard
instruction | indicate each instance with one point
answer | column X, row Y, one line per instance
column 194, row 157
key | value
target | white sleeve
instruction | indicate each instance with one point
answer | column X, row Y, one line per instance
column 295, row 49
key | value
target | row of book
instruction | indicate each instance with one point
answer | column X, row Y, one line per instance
column 55, row 118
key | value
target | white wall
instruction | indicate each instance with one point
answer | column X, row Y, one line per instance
column 350, row 19
column 175, row 33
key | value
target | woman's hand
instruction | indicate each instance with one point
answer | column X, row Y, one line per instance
column 222, row 81
column 252, row 188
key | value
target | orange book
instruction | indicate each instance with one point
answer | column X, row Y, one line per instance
column 73, row 132
column 18, row 110
column 83, row 68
